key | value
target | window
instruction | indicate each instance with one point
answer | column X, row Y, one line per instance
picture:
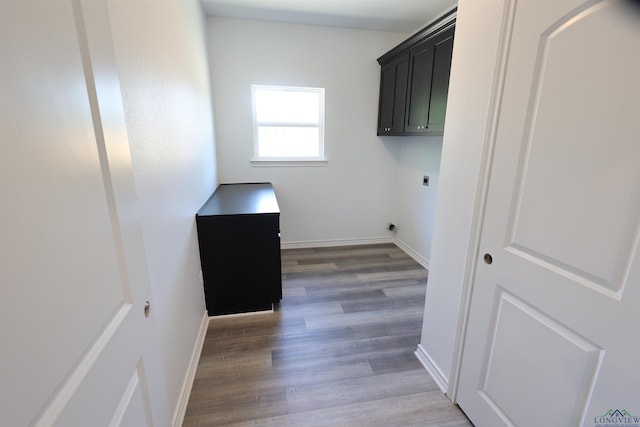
column 288, row 123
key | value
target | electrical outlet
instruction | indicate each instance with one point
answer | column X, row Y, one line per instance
column 425, row 181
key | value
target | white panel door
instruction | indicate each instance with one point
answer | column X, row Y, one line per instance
column 553, row 334
column 75, row 346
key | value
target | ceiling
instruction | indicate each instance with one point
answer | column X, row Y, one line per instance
column 404, row 16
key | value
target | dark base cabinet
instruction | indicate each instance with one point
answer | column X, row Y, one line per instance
column 239, row 240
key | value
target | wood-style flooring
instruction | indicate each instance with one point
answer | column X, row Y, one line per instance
column 339, row 351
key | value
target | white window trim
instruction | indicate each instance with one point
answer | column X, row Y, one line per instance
column 289, row 162
column 320, row 160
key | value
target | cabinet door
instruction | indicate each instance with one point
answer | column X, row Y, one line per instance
column 429, row 67
column 393, row 88
column 443, row 48
column 419, row 93
column 240, row 256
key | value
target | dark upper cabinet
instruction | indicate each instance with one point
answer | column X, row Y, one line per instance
column 443, row 48
column 428, row 85
column 393, row 95
column 419, row 88
column 416, row 73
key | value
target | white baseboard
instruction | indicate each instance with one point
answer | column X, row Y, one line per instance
column 248, row 313
column 337, row 242
column 187, row 384
column 438, row 377
column 413, row 254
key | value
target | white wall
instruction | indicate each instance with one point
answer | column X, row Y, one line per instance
column 475, row 48
column 414, row 204
column 161, row 55
column 349, row 199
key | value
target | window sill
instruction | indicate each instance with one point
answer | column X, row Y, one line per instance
column 288, row 162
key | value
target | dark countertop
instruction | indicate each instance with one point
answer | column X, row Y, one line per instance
column 241, row 199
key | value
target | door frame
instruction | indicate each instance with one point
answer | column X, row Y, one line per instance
column 481, row 192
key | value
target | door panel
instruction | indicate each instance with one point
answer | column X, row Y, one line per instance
column 565, row 130
column 73, row 272
column 132, row 410
column 552, row 329
column 531, row 352
column 56, row 202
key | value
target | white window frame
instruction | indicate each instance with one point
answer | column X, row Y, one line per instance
column 288, row 160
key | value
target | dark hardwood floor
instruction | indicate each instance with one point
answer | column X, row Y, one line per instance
column 338, row 352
